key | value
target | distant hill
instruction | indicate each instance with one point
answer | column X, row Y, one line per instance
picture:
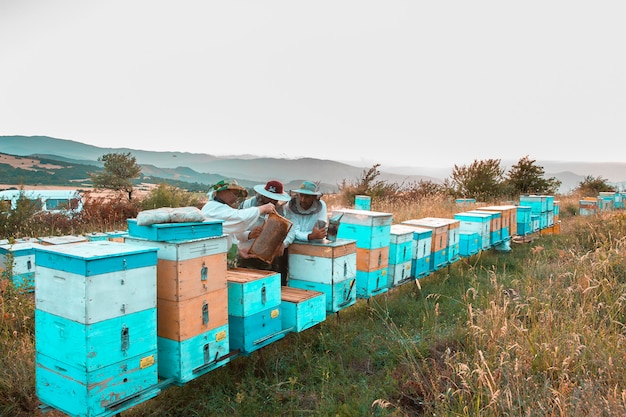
column 206, row 169
column 202, row 168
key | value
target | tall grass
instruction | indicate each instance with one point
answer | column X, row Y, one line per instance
column 538, row 331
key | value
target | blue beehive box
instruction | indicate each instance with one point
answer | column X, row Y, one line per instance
column 21, row 256
column 250, row 333
column 302, row 309
column 371, row 283
column 439, row 242
column 420, row 267
column 93, row 236
column 96, row 345
column 438, row 259
column 117, row 235
column 370, row 229
column 362, row 202
column 186, row 360
column 476, row 222
column 463, row 201
column 338, row 295
column 251, row 291
column 421, row 251
column 104, row 392
column 536, row 222
column 398, row 274
column 469, row 244
column 495, row 231
column 537, row 203
column 175, row 231
column 524, row 222
column 454, row 239
column 401, row 244
column 95, row 329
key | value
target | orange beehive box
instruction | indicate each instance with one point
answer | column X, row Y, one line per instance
column 440, row 228
column 190, row 268
column 182, row 280
column 181, row 320
column 371, row 259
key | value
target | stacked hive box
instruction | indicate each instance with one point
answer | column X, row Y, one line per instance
column 465, row 201
column 327, row 267
column 422, row 252
column 557, row 211
column 117, row 235
column 254, row 303
column 439, row 240
column 480, row 223
column 400, row 254
column 524, row 220
column 94, row 236
column 509, row 219
column 508, row 215
column 468, row 243
column 362, row 202
column 607, row 200
column 550, row 210
column 587, row 206
column 301, row 309
column 95, row 327
column 372, row 232
column 541, row 206
column 61, row 240
column 495, row 226
column 192, row 296
column 19, row 258
column 454, row 239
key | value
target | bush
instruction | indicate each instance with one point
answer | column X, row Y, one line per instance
column 169, row 196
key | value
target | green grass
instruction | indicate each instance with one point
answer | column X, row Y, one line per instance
column 538, row 331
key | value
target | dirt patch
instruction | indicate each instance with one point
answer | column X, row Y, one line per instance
column 26, row 163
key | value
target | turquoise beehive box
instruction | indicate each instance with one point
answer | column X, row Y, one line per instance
column 20, row 258
column 370, row 229
column 175, row 231
column 302, row 309
column 95, row 327
column 254, row 309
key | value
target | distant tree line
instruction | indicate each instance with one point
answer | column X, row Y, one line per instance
column 483, row 180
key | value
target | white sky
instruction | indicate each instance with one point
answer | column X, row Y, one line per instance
column 420, row 83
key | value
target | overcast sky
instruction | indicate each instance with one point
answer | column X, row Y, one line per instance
column 420, row 83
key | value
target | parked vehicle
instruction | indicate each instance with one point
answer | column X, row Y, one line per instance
column 53, row 201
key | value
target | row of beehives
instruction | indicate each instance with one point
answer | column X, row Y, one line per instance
column 118, row 322
column 605, row 201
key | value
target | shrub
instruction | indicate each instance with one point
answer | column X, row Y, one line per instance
column 169, row 196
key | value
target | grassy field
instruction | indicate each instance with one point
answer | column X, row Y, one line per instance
column 538, row 331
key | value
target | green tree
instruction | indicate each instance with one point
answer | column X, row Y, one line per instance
column 120, row 169
column 591, row 186
column 528, row 178
column 14, row 221
column 482, row 180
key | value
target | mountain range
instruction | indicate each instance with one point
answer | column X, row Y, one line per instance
column 248, row 169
